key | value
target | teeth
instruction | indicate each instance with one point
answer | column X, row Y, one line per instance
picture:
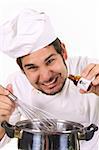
column 50, row 82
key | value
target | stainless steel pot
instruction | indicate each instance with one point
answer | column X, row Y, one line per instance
column 65, row 135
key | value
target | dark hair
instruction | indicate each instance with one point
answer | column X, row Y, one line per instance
column 56, row 44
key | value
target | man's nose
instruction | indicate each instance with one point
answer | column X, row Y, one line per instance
column 45, row 74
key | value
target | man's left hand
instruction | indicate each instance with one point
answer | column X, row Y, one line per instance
column 92, row 71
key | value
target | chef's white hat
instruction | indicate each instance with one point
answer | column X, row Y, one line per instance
column 29, row 31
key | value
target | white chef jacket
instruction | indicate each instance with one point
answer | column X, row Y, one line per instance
column 69, row 104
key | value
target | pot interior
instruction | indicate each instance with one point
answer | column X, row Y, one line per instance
column 60, row 126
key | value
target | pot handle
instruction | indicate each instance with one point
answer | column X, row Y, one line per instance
column 9, row 129
column 88, row 132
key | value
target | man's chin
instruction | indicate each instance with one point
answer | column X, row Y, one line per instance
column 53, row 91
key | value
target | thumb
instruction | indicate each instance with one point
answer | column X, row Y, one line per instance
column 9, row 88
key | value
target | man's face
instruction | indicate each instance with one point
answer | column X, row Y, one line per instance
column 46, row 70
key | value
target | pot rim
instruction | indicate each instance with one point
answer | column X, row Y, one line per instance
column 62, row 127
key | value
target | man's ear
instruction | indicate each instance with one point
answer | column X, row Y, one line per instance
column 64, row 51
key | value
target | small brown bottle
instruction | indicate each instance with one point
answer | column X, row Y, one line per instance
column 81, row 82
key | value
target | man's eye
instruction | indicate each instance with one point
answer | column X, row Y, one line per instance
column 50, row 61
column 32, row 68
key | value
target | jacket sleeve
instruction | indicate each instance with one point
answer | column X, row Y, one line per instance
column 77, row 64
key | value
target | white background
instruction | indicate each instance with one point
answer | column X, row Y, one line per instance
column 76, row 23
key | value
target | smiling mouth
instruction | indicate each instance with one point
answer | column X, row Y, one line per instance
column 51, row 83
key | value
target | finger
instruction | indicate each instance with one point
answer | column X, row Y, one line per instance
column 82, row 91
column 96, row 81
column 87, row 70
column 6, row 100
column 3, row 91
column 4, row 117
column 6, row 106
column 5, row 112
column 93, row 72
column 9, row 87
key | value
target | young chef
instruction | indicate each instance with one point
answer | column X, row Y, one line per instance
column 42, row 80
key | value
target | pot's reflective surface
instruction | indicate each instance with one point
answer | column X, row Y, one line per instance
column 48, row 142
column 63, row 136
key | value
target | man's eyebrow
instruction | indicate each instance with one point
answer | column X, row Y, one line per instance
column 33, row 65
column 28, row 65
column 49, row 57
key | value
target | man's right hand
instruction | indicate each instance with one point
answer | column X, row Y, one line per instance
column 6, row 106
